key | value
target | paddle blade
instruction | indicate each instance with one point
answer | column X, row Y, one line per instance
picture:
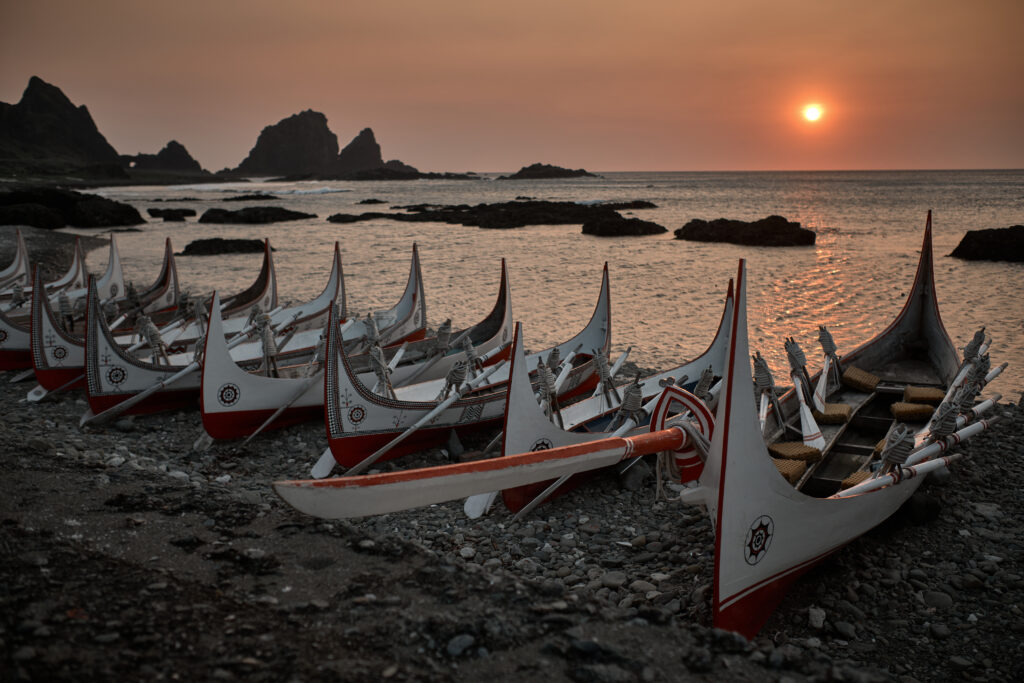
column 323, row 467
column 477, row 506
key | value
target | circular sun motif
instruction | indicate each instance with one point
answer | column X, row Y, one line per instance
column 114, row 289
column 116, row 375
column 759, row 539
column 356, row 414
column 541, row 445
column 228, row 395
column 3, row 336
column 60, row 352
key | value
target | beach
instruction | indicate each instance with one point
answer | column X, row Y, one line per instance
column 128, row 554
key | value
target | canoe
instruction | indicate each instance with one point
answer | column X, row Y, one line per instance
column 359, row 421
column 236, row 403
column 73, row 278
column 114, row 376
column 528, row 428
column 17, row 272
column 770, row 531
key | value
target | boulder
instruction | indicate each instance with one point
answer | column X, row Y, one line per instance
column 994, row 244
column 300, row 144
column 545, row 171
column 74, row 208
column 362, row 154
column 253, row 214
column 773, row 231
column 219, row 245
column 169, row 215
column 371, row 200
column 46, row 133
column 173, row 158
column 616, row 226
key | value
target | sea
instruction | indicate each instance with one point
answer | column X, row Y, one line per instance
column 667, row 294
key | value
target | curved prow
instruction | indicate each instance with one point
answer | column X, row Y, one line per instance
column 75, row 276
column 263, row 291
column 164, row 294
column 313, row 310
column 919, row 316
column 111, row 284
column 17, row 272
column 407, row 321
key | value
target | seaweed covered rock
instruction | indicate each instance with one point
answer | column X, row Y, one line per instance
column 994, row 244
column 618, row 226
column 171, row 215
column 773, row 231
column 253, row 214
column 218, row 245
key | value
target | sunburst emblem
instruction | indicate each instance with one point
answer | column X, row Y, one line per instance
column 759, row 539
column 114, row 289
column 541, row 445
column 60, row 352
column 356, row 414
column 3, row 336
column 228, row 394
column 116, row 375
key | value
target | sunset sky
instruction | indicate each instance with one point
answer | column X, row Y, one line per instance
column 452, row 85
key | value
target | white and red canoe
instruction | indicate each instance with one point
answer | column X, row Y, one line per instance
column 527, row 428
column 767, row 532
column 16, row 273
column 236, row 403
column 113, row 375
column 359, row 421
column 73, row 278
column 15, row 325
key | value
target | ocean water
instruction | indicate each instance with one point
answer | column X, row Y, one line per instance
column 667, row 294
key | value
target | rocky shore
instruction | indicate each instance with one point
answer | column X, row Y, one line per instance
column 128, row 554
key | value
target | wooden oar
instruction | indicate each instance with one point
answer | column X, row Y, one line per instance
column 23, row 375
column 431, row 362
column 821, row 390
column 375, row 494
column 306, row 384
column 441, row 407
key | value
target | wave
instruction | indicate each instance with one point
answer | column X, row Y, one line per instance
column 318, row 190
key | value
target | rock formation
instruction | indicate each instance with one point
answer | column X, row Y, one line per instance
column 253, row 214
column 617, row 226
column 173, row 158
column 995, row 244
column 545, row 171
column 46, row 207
column 773, row 231
column 219, row 245
column 45, row 133
column 171, row 215
column 301, row 144
column 362, row 154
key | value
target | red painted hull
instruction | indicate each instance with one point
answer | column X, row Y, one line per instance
column 238, row 425
column 354, row 449
column 15, row 359
column 52, row 379
column 158, row 402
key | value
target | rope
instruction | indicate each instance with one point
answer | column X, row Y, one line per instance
column 454, row 379
column 797, row 359
column 973, row 346
column 66, row 312
column 133, row 296
column 828, row 345
column 943, row 423
column 555, row 359
column 380, row 368
column 472, row 361
column 897, row 448
column 604, row 374
column 703, row 388
column 444, row 335
column 269, row 344
column 762, row 375
column 147, row 330
column 632, row 406
column 965, row 397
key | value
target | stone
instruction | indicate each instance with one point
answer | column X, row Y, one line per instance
column 459, row 644
column 172, row 158
column 995, row 244
column 641, row 586
column 940, row 631
column 816, row 617
column 363, row 153
column 171, row 215
column 938, row 600
column 467, row 552
column 773, row 231
column 613, row 579
column 44, row 204
column 633, row 478
column 845, row 629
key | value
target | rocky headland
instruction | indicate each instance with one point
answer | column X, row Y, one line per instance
column 618, row 226
column 996, row 244
column 773, row 231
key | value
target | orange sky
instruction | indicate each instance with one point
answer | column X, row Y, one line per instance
column 606, row 85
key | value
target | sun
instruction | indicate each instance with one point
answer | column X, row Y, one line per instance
column 813, row 112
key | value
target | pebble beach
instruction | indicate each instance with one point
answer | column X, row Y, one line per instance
column 134, row 551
